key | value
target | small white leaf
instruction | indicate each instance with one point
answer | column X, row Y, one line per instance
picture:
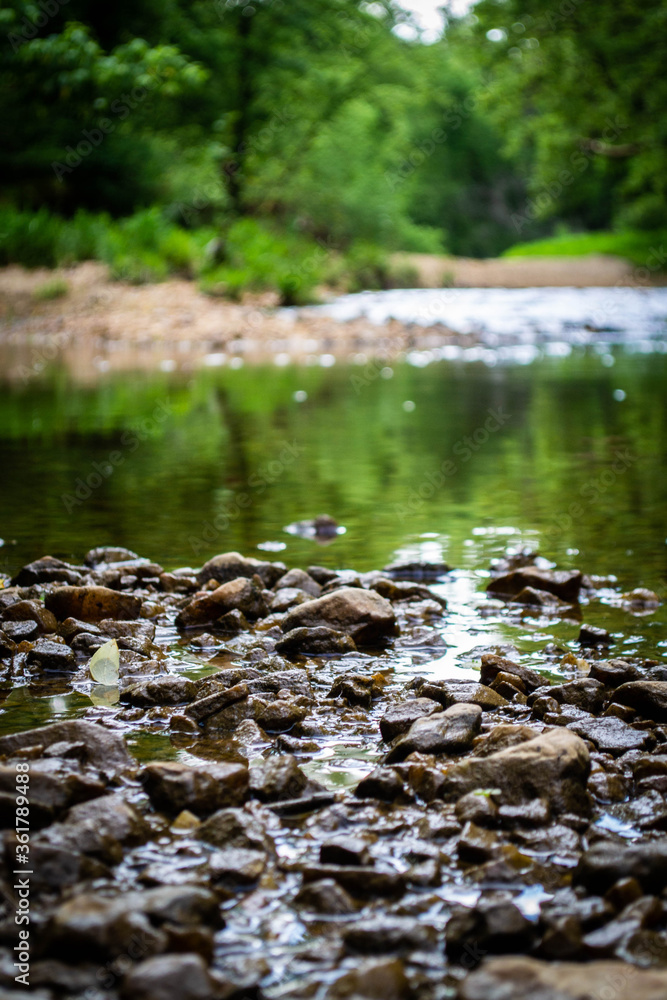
column 104, row 665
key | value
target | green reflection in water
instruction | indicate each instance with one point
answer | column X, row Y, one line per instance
column 233, row 448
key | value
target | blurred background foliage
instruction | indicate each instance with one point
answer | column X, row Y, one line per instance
column 271, row 144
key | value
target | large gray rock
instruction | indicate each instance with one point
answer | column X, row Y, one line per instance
column 555, row 765
column 511, row 978
column 647, row 697
column 451, row 731
column 92, row 604
column 232, row 565
column 362, row 614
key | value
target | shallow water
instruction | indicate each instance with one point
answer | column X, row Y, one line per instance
column 424, row 458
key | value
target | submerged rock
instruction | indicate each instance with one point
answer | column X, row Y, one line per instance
column 564, row 584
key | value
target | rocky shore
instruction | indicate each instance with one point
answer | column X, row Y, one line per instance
column 509, row 842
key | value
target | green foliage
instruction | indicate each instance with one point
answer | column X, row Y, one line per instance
column 643, row 249
column 316, row 122
column 580, row 90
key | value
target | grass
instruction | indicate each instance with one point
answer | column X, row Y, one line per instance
column 55, row 288
column 240, row 256
column 642, row 249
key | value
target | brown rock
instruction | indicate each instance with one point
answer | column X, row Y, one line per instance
column 242, row 595
column 564, row 584
column 647, row 697
column 173, row 787
column 451, row 731
column 92, row 604
column 555, row 764
column 518, row 978
column 362, row 614
column 232, row 565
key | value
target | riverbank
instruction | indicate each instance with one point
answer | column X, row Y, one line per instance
column 81, row 317
column 499, row 827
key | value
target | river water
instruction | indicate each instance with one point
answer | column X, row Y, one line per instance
column 550, row 433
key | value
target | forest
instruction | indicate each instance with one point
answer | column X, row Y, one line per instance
column 256, row 144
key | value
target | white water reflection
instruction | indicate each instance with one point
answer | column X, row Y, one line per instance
column 500, row 316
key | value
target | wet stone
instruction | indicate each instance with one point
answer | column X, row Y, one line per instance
column 362, row 614
column 383, row 783
column 493, row 665
column 602, row 865
column 232, row 565
column 647, row 697
column 564, row 584
column 242, row 595
column 496, row 927
column 398, row 718
column 33, row 611
column 48, row 570
column 613, row 736
column 316, row 641
column 49, row 655
column 380, row 935
column 590, row 635
column 555, row 765
column 456, row 692
column 173, row 787
column 21, row 631
column 92, row 604
column 277, row 778
column 104, row 748
column 451, row 731
column 326, row 897
column 169, row 977
column 169, row 690
column 342, row 850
